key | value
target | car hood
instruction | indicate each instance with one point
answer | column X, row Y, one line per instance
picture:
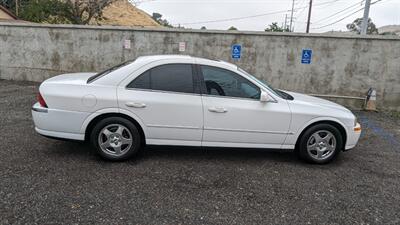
column 314, row 101
column 70, row 78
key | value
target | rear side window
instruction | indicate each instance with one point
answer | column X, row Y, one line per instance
column 142, row 81
column 170, row 77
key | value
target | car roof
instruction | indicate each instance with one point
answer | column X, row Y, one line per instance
column 152, row 58
column 118, row 75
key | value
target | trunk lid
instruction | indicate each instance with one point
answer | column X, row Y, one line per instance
column 71, row 78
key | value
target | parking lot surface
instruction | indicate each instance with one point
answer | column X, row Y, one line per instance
column 45, row 181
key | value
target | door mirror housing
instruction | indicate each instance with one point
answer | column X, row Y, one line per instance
column 264, row 97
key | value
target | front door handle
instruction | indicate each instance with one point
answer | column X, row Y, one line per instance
column 217, row 109
column 135, row 104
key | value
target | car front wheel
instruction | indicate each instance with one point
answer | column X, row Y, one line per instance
column 320, row 144
column 116, row 138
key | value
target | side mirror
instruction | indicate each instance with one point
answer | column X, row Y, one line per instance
column 264, row 97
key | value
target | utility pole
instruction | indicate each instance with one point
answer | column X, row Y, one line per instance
column 364, row 26
column 291, row 17
column 285, row 22
column 309, row 17
column 16, row 7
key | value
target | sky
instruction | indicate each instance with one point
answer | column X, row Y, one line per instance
column 327, row 15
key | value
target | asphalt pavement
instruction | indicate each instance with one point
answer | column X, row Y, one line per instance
column 45, row 181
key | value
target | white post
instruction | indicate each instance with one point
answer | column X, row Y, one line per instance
column 364, row 25
column 291, row 18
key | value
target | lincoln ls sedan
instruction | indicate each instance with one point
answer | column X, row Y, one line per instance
column 188, row 101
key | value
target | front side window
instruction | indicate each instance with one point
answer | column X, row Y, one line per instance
column 221, row 82
column 170, row 77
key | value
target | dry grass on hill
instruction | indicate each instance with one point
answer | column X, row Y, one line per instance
column 123, row 13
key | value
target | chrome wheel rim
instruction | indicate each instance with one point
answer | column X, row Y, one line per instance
column 115, row 139
column 321, row 145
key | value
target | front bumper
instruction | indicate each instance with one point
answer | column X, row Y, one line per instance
column 58, row 123
column 353, row 134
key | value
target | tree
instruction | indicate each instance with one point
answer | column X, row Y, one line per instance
column 61, row 11
column 356, row 26
column 275, row 28
column 158, row 18
column 388, row 33
column 12, row 5
column 232, row 28
column 203, row 28
column 83, row 11
column 45, row 11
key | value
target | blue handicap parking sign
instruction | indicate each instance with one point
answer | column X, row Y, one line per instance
column 306, row 56
column 236, row 51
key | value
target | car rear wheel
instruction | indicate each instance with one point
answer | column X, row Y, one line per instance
column 116, row 138
column 320, row 144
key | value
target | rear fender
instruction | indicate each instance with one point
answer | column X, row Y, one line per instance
column 113, row 110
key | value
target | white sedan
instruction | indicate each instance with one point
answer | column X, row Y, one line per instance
column 182, row 100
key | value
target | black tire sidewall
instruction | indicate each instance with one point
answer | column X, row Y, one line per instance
column 303, row 153
column 116, row 120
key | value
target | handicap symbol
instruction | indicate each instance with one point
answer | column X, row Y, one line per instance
column 306, row 56
column 236, row 50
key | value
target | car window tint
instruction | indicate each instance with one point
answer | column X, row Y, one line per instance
column 223, row 82
column 142, row 81
column 170, row 77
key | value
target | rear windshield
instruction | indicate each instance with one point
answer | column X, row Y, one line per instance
column 109, row 70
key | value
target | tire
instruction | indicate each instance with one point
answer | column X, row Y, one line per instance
column 116, row 139
column 320, row 144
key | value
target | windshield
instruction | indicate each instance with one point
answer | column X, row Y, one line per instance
column 109, row 70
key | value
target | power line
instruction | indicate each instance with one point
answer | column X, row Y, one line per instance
column 300, row 12
column 343, row 10
column 337, row 21
column 236, row 18
column 330, row 4
column 247, row 17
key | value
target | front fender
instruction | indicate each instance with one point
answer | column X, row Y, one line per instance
column 296, row 131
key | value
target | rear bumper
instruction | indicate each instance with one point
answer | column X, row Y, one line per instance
column 61, row 135
column 353, row 134
column 58, row 123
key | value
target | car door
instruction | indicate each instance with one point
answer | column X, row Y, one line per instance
column 167, row 101
column 234, row 115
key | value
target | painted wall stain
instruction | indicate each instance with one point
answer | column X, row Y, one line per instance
column 55, row 60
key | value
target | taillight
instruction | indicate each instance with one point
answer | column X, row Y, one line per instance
column 41, row 100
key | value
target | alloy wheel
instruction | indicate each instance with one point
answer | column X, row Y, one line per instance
column 115, row 139
column 321, row 145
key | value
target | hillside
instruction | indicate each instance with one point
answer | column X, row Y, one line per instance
column 123, row 13
column 390, row 28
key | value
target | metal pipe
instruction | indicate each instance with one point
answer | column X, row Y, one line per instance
column 338, row 96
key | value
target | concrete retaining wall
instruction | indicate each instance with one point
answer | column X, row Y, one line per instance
column 341, row 65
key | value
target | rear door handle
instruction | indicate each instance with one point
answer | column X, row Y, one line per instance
column 217, row 109
column 135, row 104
